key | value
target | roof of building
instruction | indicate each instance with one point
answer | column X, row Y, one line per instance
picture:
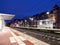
column 7, row 16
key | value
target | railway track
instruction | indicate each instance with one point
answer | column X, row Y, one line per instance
column 51, row 38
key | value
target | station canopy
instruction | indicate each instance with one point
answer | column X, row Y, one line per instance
column 6, row 16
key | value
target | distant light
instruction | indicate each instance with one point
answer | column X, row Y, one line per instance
column 25, row 20
column 40, row 23
column 31, row 19
column 47, row 12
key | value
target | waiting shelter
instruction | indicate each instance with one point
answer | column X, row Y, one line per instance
column 4, row 17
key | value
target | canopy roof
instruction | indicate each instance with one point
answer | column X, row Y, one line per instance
column 6, row 16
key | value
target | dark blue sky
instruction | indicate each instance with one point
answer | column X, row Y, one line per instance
column 25, row 8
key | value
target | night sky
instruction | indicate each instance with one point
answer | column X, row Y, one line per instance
column 25, row 8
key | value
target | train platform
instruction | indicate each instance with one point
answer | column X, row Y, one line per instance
column 42, row 29
column 9, row 36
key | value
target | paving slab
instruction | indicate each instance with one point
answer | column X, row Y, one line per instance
column 32, row 39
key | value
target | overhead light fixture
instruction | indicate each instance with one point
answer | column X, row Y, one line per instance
column 47, row 12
